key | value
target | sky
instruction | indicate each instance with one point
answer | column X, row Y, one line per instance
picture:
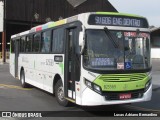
column 147, row 8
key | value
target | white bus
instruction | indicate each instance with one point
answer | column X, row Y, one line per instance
column 97, row 58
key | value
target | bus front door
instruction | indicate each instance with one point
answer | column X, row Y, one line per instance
column 70, row 64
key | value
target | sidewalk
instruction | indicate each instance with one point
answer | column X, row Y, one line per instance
column 7, row 61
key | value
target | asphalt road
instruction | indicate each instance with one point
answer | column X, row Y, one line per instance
column 15, row 98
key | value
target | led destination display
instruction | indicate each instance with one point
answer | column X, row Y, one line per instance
column 118, row 21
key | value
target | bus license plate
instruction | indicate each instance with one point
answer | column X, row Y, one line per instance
column 125, row 96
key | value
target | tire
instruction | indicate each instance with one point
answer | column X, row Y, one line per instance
column 59, row 93
column 22, row 79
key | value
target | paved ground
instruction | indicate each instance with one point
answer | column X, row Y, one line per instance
column 15, row 98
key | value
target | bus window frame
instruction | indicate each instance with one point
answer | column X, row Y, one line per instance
column 33, row 39
column 63, row 38
column 13, row 45
column 116, row 71
column 31, row 43
column 51, row 36
column 24, row 44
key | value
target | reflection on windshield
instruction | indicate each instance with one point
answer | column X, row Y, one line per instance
column 132, row 52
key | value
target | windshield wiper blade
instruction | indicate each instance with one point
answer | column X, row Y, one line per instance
column 110, row 36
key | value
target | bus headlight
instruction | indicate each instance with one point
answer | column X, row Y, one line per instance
column 149, row 81
column 149, row 75
column 97, row 88
column 148, row 85
column 93, row 86
column 88, row 83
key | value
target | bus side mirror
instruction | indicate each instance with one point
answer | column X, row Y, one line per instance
column 81, row 42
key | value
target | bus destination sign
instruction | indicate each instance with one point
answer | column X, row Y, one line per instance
column 124, row 21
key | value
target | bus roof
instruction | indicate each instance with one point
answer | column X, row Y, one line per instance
column 69, row 20
column 116, row 13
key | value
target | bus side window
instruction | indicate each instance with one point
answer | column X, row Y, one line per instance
column 58, row 41
column 12, row 46
column 36, row 42
column 28, row 47
column 46, row 40
column 22, row 43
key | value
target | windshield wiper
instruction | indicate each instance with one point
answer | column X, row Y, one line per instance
column 111, row 37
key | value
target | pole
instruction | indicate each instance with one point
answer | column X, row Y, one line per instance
column 3, row 47
column 4, row 35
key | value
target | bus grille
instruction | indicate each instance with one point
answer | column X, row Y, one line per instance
column 115, row 96
column 123, row 77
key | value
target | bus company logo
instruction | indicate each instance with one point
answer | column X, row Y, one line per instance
column 125, row 87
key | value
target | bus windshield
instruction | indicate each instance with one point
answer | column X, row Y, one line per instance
column 131, row 52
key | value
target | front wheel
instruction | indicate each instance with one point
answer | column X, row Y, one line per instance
column 22, row 79
column 59, row 93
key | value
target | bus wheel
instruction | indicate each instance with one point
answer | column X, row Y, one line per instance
column 59, row 93
column 22, row 78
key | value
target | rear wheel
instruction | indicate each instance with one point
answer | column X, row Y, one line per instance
column 59, row 93
column 22, row 79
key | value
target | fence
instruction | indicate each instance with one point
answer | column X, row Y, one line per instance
column 7, row 55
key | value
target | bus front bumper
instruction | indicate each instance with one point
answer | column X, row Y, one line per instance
column 91, row 98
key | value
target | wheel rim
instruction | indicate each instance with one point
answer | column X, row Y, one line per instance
column 60, row 94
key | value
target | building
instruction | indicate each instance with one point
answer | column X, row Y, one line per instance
column 21, row 15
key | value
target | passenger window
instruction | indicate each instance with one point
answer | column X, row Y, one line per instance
column 46, row 40
column 58, row 41
column 36, row 42
column 12, row 45
column 28, row 43
column 22, row 44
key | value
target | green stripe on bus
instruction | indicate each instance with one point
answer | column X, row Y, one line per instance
column 51, row 25
column 61, row 65
column 122, row 82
